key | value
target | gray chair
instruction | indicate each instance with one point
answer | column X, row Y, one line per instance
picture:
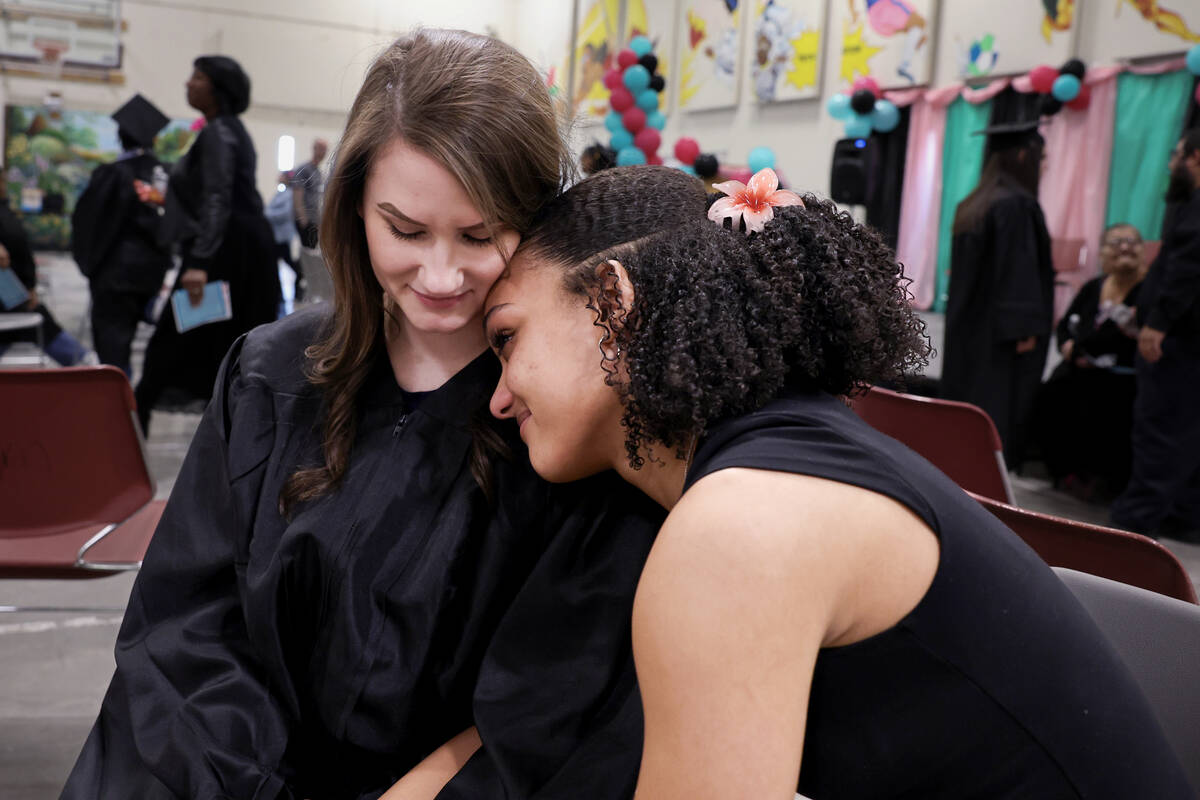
column 1159, row 639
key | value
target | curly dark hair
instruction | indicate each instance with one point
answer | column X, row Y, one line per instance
column 722, row 321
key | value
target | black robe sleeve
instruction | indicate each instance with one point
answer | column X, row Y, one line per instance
column 188, row 712
column 562, row 659
column 1018, row 293
column 217, row 147
column 1180, row 291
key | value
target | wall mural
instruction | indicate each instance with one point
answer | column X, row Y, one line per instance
column 888, row 40
column 710, row 54
column 786, row 49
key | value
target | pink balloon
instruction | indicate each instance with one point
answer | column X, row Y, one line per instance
column 742, row 174
column 868, row 83
column 1198, row 94
column 621, row 100
column 1043, row 78
column 647, row 141
column 686, row 150
column 1082, row 100
column 634, row 120
column 627, row 58
column 656, row 159
column 612, row 79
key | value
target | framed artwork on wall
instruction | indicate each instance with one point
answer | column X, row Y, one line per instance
column 891, row 41
column 979, row 40
column 597, row 41
column 655, row 19
column 1136, row 28
column 786, row 49
column 710, row 54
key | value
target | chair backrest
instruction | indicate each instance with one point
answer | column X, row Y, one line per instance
column 960, row 439
column 1117, row 555
column 70, row 451
column 1159, row 640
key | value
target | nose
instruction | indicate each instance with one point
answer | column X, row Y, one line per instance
column 439, row 274
column 502, row 401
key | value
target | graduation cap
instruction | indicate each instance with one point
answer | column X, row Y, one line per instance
column 1012, row 135
column 140, row 120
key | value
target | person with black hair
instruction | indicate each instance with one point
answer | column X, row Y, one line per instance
column 115, row 236
column 597, row 157
column 822, row 610
column 1163, row 496
column 1000, row 304
column 214, row 217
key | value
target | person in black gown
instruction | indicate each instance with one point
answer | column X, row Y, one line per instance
column 115, row 236
column 357, row 563
column 823, row 610
column 214, row 217
column 1084, row 413
column 1001, row 295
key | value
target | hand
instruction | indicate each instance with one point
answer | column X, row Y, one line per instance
column 1066, row 349
column 193, row 281
column 1026, row 345
column 5, row 259
column 1150, row 343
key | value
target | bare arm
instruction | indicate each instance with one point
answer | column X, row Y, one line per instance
column 298, row 203
column 427, row 779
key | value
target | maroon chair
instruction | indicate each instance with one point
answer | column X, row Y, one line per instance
column 1109, row 553
column 960, row 439
column 76, row 492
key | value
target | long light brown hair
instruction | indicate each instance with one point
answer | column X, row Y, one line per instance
column 478, row 108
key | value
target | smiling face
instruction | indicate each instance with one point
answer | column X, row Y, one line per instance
column 1121, row 250
column 430, row 248
column 552, row 382
column 200, row 95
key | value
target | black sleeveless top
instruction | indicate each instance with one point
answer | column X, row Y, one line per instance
column 997, row 685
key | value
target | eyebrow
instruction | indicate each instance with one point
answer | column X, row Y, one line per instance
column 491, row 311
column 391, row 210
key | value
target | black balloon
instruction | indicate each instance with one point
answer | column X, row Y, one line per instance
column 1074, row 67
column 863, row 101
column 706, row 165
column 1049, row 105
column 657, row 83
column 650, row 62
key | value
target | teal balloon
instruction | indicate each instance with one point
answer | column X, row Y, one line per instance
column 657, row 120
column 858, row 126
column 761, row 158
column 621, row 140
column 1193, row 60
column 688, row 168
column 637, row 79
column 641, row 45
column 839, row 106
column 648, row 100
column 885, row 117
column 628, row 156
column 612, row 121
column 1066, row 88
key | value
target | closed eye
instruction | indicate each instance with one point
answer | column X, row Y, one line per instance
column 500, row 340
column 399, row 234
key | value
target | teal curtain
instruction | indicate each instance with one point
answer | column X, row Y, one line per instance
column 1148, row 122
column 962, row 161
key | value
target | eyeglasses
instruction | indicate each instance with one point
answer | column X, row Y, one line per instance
column 1123, row 242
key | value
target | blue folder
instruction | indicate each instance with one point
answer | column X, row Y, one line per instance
column 12, row 292
column 214, row 307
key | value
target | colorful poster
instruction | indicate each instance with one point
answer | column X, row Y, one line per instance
column 787, row 49
column 710, row 62
column 597, row 42
column 889, row 40
column 654, row 19
column 1135, row 28
column 979, row 40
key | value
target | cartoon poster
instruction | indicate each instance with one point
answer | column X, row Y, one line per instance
column 889, row 40
column 976, row 41
column 654, row 19
column 597, row 42
column 786, row 43
column 710, row 62
column 1134, row 28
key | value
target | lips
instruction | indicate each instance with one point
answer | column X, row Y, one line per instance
column 522, row 418
column 440, row 301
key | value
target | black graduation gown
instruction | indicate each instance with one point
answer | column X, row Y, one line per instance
column 1001, row 291
column 324, row 656
column 1083, row 416
column 215, row 216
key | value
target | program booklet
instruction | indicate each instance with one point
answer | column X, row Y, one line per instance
column 12, row 292
column 214, row 307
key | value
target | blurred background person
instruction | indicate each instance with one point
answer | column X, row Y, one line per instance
column 1163, row 496
column 115, row 236
column 1001, row 294
column 280, row 214
column 1084, row 413
column 308, row 185
column 597, row 157
column 214, row 215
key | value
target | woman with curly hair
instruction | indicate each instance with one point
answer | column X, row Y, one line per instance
column 822, row 610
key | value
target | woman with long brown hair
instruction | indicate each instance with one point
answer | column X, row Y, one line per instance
column 355, row 553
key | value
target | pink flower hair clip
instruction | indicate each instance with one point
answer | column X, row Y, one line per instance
column 754, row 203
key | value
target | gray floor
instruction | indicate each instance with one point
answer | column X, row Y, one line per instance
column 56, row 666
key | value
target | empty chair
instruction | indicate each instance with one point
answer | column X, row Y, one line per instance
column 960, row 439
column 76, row 493
column 1158, row 638
column 1117, row 555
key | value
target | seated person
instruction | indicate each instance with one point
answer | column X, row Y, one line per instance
column 1083, row 415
